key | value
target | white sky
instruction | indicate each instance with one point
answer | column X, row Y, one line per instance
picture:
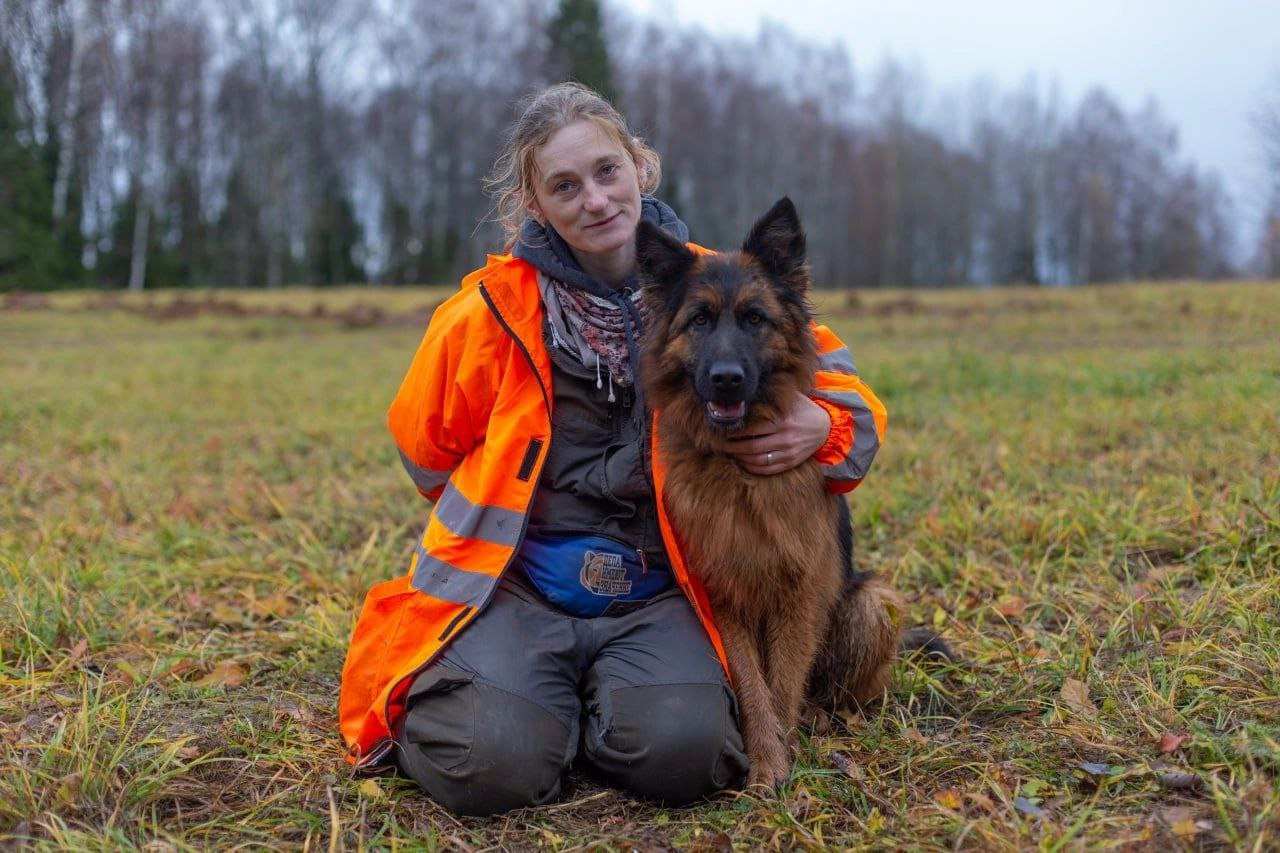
column 1206, row 62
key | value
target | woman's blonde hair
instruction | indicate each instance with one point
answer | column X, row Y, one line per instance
column 512, row 179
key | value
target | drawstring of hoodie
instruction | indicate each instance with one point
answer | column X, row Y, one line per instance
column 631, row 325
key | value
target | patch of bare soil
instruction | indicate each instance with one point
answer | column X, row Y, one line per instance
column 359, row 315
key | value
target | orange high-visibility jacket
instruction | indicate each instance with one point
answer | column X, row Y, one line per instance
column 472, row 420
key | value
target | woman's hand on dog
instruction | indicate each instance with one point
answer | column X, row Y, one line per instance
column 779, row 446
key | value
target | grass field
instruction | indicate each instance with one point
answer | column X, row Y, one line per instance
column 1081, row 489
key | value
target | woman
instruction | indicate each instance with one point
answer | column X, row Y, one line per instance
column 548, row 614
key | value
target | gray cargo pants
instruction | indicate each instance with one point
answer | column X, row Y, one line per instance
column 493, row 724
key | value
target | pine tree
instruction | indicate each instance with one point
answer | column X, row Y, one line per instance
column 578, row 49
column 32, row 257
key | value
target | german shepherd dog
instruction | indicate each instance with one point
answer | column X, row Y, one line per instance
column 728, row 346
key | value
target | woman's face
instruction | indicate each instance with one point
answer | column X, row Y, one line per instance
column 587, row 189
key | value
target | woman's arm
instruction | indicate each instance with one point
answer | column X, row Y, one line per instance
column 442, row 407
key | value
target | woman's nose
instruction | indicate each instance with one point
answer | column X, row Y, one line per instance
column 594, row 199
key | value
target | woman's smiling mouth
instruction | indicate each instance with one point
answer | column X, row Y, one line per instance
column 604, row 222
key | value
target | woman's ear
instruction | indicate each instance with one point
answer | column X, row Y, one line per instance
column 536, row 212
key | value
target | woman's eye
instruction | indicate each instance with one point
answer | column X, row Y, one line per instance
column 563, row 187
column 608, row 170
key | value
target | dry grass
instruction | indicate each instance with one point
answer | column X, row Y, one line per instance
column 1081, row 489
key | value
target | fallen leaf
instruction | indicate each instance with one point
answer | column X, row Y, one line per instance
column 226, row 674
column 1094, row 769
column 1178, row 781
column 1169, row 742
column 69, row 787
column 224, row 614
column 982, row 801
column 1186, row 828
column 189, row 752
column 1011, row 606
column 1025, row 806
column 949, row 798
column 371, row 789
column 847, row 766
column 276, row 605
column 913, row 734
column 78, row 650
column 719, row 843
column 182, row 667
column 1075, row 695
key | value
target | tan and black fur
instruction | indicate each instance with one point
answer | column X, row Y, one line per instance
column 728, row 347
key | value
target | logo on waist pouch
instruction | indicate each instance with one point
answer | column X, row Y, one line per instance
column 604, row 574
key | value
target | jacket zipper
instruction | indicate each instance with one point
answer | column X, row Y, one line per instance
column 381, row 748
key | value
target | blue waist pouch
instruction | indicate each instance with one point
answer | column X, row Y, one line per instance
column 589, row 575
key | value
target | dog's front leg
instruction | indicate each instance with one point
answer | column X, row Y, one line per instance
column 766, row 750
column 791, row 642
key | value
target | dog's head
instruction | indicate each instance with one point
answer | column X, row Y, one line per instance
column 729, row 340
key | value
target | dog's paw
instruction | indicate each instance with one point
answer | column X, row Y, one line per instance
column 771, row 771
column 765, row 782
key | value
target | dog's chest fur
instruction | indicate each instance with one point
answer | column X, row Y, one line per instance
column 753, row 541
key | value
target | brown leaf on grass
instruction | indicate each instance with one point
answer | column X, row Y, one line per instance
column 1183, row 823
column 1169, row 742
column 181, row 668
column 1075, row 695
column 847, row 766
column 1176, row 781
column 226, row 615
column 1181, row 820
column 189, row 752
column 982, row 801
column 1011, row 606
column 277, row 605
column 913, row 734
column 182, row 509
column 78, row 650
column 69, row 788
column 933, row 520
column 949, row 798
column 226, row 674
column 718, row 843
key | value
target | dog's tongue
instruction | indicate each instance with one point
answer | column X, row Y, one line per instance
column 728, row 411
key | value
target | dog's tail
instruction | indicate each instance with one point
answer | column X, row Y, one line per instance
column 865, row 636
column 856, row 657
column 925, row 643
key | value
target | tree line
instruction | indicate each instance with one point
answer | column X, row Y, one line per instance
column 250, row 143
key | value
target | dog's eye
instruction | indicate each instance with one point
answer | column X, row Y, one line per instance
column 755, row 318
column 701, row 319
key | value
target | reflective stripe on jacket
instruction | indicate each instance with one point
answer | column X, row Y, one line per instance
column 472, row 420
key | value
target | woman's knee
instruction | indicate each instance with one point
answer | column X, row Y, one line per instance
column 479, row 750
column 672, row 743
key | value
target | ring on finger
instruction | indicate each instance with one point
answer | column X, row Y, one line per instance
column 768, row 458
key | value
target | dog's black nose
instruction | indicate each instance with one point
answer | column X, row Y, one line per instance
column 726, row 376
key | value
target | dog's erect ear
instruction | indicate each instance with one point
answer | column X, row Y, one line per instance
column 777, row 242
column 660, row 257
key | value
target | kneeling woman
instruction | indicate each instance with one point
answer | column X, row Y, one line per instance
column 547, row 614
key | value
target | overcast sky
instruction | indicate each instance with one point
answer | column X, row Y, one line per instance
column 1207, row 62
